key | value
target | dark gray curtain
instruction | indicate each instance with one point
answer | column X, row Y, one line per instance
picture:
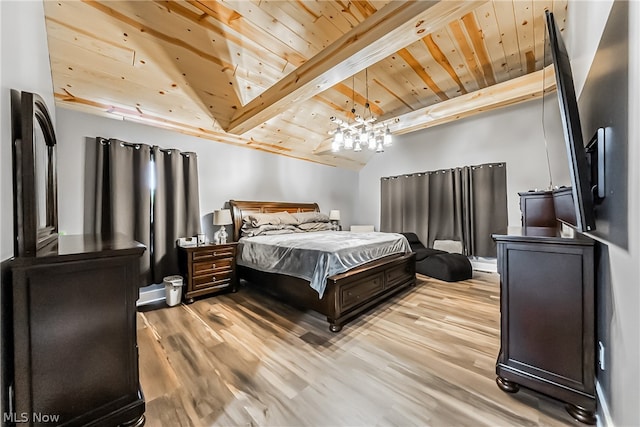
column 126, row 202
column 445, row 215
column 487, row 207
column 176, row 209
column 391, row 194
column 123, row 195
column 467, row 204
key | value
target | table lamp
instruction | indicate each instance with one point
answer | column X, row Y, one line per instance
column 334, row 217
column 222, row 218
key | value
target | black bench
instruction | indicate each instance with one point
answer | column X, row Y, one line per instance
column 439, row 264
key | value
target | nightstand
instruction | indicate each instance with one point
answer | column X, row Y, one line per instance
column 208, row 269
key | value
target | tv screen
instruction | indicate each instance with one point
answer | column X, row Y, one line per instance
column 578, row 210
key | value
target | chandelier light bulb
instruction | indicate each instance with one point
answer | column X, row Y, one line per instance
column 348, row 141
column 379, row 147
column 357, row 148
column 388, row 140
column 339, row 136
column 372, row 141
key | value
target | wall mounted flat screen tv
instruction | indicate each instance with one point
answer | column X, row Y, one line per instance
column 574, row 204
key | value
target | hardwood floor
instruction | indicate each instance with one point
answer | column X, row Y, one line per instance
column 426, row 357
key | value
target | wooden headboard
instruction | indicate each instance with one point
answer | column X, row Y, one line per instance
column 241, row 208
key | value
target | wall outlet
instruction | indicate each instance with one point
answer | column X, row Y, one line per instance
column 601, row 355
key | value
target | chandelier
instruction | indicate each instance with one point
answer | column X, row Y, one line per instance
column 363, row 131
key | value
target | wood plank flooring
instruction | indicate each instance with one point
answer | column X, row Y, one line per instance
column 424, row 358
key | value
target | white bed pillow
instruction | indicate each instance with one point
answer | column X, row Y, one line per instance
column 307, row 217
column 258, row 219
column 316, row 226
column 268, row 229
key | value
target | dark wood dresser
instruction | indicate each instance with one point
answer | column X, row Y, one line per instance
column 70, row 323
column 537, row 209
column 208, row 269
column 547, row 317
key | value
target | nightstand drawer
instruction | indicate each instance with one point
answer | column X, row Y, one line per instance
column 214, row 253
column 212, row 280
column 219, row 265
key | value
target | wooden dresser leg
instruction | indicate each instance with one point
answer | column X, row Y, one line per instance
column 506, row 385
column 138, row 422
column 334, row 328
column 581, row 414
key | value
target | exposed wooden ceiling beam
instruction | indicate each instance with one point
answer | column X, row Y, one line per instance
column 390, row 29
column 510, row 92
column 500, row 95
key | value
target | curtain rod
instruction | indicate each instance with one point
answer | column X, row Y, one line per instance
column 407, row 175
column 105, row 141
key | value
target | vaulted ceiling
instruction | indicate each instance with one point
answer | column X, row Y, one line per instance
column 269, row 74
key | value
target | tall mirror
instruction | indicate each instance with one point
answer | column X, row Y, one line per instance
column 34, row 166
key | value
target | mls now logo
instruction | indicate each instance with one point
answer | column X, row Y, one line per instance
column 25, row 417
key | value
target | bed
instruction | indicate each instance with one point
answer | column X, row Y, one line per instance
column 345, row 295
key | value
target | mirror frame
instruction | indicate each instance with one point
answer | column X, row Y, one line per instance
column 29, row 110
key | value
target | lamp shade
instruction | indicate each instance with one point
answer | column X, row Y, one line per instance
column 334, row 215
column 222, row 217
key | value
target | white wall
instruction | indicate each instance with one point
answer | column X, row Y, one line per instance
column 225, row 171
column 25, row 66
column 512, row 135
column 582, row 39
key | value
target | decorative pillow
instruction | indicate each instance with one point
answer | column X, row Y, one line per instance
column 305, row 217
column 258, row 219
column 267, row 229
column 316, row 226
column 286, row 218
column 283, row 231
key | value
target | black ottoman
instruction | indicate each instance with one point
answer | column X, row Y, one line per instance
column 439, row 264
column 446, row 266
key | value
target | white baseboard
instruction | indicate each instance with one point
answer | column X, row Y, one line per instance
column 151, row 294
column 484, row 264
column 607, row 421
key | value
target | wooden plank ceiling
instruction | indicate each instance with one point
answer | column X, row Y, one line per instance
column 269, row 74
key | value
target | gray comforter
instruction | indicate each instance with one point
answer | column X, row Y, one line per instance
column 317, row 255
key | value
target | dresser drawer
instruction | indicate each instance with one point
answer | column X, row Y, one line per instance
column 213, row 280
column 214, row 253
column 212, row 266
column 353, row 293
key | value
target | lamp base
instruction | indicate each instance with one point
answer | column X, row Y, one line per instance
column 220, row 236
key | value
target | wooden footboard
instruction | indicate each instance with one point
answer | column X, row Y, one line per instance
column 362, row 288
column 347, row 294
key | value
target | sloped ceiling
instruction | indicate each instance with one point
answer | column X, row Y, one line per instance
column 270, row 74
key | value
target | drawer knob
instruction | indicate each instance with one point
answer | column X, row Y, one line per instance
column 215, row 253
column 213, row 265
